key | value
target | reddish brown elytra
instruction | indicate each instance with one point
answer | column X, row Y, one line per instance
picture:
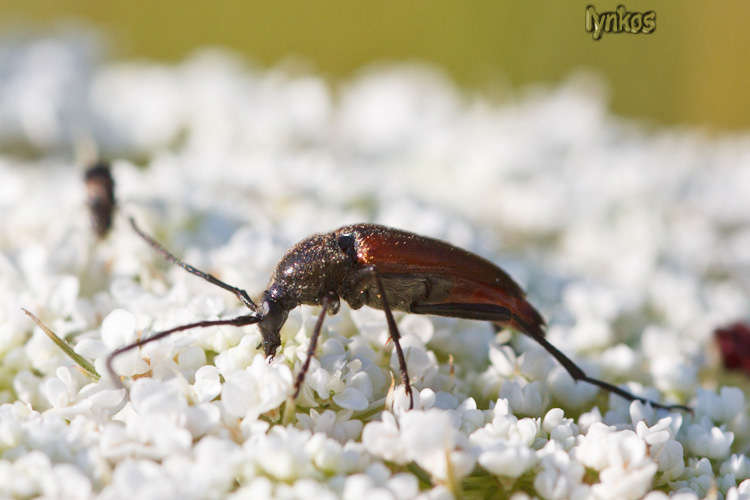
column 388, row 269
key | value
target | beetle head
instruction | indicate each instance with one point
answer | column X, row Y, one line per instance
column 273, row 313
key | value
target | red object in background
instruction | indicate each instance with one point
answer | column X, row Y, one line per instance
column 734, row 344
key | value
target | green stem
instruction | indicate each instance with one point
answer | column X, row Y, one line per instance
column 87, row 367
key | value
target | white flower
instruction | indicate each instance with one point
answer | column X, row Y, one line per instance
column 383, row 439
column 507, row 459
column 559, row 475
column 282, row 453
column 150, row 396
column 564, row 388
column 699, row 478
column 742, row 492
column 674, row 373
column 67, row 482
column 536, row 364
column 351, row 399
column 471, row 417
column 236, row 358
column 526, row 400
column 739, row 465
column 338, row 425
column 506, row 427
column 378, row 483
column 118, row 330
column 202, row 419
column 428, row 438
column 140, row 479
column 330, row 456
column 706, row 440
column 561, row 429
column 503, row 359
column 421, row 364
column 621, row 457
column 720, row 408
column 505, row 444
column 256, row 390
column 663, row 448
column 207, row 384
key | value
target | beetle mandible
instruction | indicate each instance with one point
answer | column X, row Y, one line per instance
column 388, row 269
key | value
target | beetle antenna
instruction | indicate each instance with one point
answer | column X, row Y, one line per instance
column 248, row 319
column 241, row 294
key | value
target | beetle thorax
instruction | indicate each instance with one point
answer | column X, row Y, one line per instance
column 310, row 269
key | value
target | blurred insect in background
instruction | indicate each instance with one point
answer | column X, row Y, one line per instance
column 734, row 346
column 388, row 269
column 100, row 197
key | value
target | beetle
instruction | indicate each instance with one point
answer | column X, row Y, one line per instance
column 388, row 269
column 100, row 197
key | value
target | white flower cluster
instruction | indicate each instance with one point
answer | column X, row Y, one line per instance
column 635, row 247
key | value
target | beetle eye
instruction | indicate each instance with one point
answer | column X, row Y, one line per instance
column 346, row 244
column 273, row 316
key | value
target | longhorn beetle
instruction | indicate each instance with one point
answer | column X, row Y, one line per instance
column 388, row 269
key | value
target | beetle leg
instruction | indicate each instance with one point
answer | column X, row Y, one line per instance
column 579, row 375
column 502, row 316
column 329, row 301
column 395, row 335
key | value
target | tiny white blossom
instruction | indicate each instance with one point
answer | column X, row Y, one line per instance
column 526, row 400
column 259, row 388
column 739, row 465
column 503, row 359
column 383, row 439
column 338, row 425
column 722, row 407
column 507, row 459
column 561, row 429
column 559, row 475
column 565, row 389
column 118, row 330
column 283, row 453
column 621, row 457
column 706, row 440
column 207, row 384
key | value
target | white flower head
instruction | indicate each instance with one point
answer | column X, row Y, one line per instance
column 435, row 444
column 559, row 475
column 507, row 459
column 707, row 440
column 119, row 330
column 429, row 438
column 566, row 389
column 738, row 465
column 338, row 425
column 621, row 457
column 526, row 400
column 258, row 389
column 720, row 408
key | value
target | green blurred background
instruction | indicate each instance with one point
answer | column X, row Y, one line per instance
column 694, row 69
